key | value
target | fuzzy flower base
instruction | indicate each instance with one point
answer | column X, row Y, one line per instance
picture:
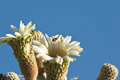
column 56, row 71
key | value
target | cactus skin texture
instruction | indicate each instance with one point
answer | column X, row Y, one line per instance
column 37, row 35
column 11, row 76
column 25, row 57
column 108, row 72
column 55, row 71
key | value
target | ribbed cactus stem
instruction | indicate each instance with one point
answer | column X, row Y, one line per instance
column 55, row 71
column 25, row 56
column 108, row 72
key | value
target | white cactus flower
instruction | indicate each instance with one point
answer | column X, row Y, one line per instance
column 57, row 49
column 24, row 31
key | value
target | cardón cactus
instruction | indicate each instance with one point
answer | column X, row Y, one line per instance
column 56, row 53
column 21, row 44
column 37, row 55
column 108, row 72
column 11, row 76
column 56, row 71
column 37, row 35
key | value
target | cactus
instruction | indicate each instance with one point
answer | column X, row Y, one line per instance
column 56, row 71
column 21, row 45
column 11, row 76
column 108, row 72
column 56, row 53
column 46, row 59
column 37, row 35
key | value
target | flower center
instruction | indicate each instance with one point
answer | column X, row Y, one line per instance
column 57, row 52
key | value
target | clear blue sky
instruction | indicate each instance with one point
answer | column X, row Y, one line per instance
column 95, row 23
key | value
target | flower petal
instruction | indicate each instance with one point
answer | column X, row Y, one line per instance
column 67, row 40
column 17, row 34
column 47, row 36
column 73, row 53
column 44, row 57
column 49, row 42
column 14, row 28
column 38, row 50
column 2, row 40
column 28, row 26
column 77, row 48
column 44, row 41
column 74, row 43
column 10, row 35
column 56, row 36
column 59, row 60
column 57, row 43
column 68, row 59
column 22, row 27
column 40, row 45
column 59, row 38
column 31, row 29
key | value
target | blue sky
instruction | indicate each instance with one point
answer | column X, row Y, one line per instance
column 94, row 23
